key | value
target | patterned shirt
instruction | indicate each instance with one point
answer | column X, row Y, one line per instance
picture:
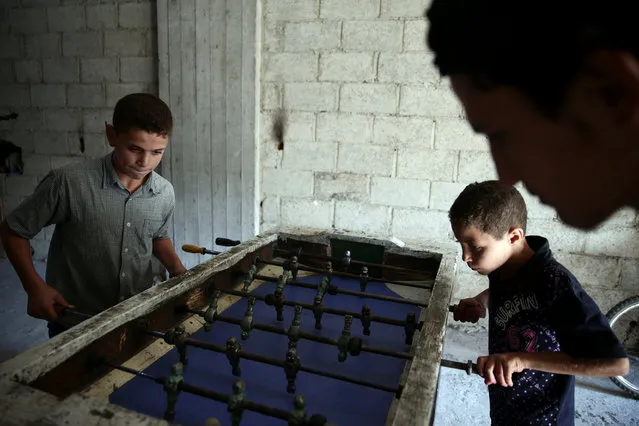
column 101, row 251
column 543, row 309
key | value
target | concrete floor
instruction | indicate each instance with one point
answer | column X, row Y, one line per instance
column 462, row 399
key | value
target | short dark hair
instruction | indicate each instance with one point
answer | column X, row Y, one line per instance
column 491, row 207
column 142, row 111
column 538, row 49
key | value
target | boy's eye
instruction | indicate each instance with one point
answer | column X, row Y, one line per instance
column 476, row 248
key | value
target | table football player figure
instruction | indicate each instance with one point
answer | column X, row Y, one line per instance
column 210, row 315
column 363, row 279
column 178, row 336
column 296, row 326
column 278, row 297
column 212, row 421
column 409, row 327
column 233, row 348
column 250, row 276
column 298, row 414
column 172, row 389
column 236, row 402
column 366, row 319
column 342, row 342
column 246, row 323
column 294, row 267
column 292, row 366
column 318, row 311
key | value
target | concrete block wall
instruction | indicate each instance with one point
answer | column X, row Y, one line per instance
column 63, row 65
column 377, row 143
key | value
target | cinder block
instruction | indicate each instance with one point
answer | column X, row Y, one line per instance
column 311, row 96
column 430, row 164
column 10, row 46
column 404, row 8
column 271, row 157
column 303, row 36
column 468, row 285
column 137, row 15
column 376, row 160
column 28, row 20
column 36, row 165
column 559, row 235
column 98, row 70
column 30, row 3
column 43, row 45
column 536, row 209
column 60, row 70
column 48, row 95
column 138, row 70
column 415, row 33
column 307, row 213
column 291, row 10
column 369, row 97
column 287, row 183
column 50, row 143
column 313, row 156
column 23, row 138
column 613, row 241
column 64, row 120
column 95, row 144
column 342, row 127
column 114, row 92
column 377, row 36
column 299, row 127
column 407, row 68
column 476, row 166
column 429, row 101
column 102, row 17
column 121, row 43
column 288, row 67
column 361, row 217
column 592, row 271
column 443, row 195
column 393, row 130
column 456, row 133
column 358, row 67
column 5, row 19
column 273, row 35
column 66, row 18
column 352, row 9
column 86, row 95
column 341, row 186
column 270, row 209
column 421, row 225
column 20, row 184
column 84, row 44
column 623, row 217
column 28, row 71
column 271, row 96
column 6, row 71
column 400, row 192
column 629, row 274
column 606, row 298
column 93, row 119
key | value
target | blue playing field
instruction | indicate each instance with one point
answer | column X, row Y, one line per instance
column 343, row 403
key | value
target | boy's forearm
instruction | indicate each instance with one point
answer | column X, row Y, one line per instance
column 164, row 251
column 562, row 363
column 18, row 252
column 483, row 298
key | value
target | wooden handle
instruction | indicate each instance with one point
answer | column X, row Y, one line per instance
column 190, row 248
column 225, row 242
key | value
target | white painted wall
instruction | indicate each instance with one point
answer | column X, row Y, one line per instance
column 377, row 143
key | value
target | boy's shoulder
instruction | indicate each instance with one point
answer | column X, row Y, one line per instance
column 79, row 168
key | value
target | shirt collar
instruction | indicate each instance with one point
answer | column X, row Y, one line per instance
column 541, row 255
column 110, row 177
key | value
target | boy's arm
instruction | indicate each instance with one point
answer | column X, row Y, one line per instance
column 164, row 251
column 499, row 368
column 472, row 309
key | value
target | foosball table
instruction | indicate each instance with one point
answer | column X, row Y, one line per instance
column 294, row 327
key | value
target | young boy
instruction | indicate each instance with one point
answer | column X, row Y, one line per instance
column 555, row 90
column 543, row 327
column 111, row 215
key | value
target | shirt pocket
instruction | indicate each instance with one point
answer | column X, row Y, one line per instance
column 151, row 227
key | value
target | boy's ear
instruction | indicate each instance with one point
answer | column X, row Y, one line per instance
column 515, row 235
column 110, row 134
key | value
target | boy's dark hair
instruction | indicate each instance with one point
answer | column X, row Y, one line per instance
column 491, row 207
column 142, row 111
column 537, row 48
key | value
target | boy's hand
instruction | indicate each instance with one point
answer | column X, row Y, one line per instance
column 43, row 300
column 499, row 368
column 469, row 310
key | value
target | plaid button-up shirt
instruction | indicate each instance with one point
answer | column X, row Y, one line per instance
column 101, row 251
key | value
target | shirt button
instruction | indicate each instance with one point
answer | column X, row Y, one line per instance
column 126, row 250
column 128, row 224
column 123, row 275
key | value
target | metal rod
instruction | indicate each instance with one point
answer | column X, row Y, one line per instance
column 468, row 367
column 343, row 291
column 341, row 312
column 352, row 261
column 302, row 267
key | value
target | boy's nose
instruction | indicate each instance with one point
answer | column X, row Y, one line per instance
column 466, row 256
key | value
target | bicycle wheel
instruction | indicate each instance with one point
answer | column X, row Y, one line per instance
column 624, row 321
